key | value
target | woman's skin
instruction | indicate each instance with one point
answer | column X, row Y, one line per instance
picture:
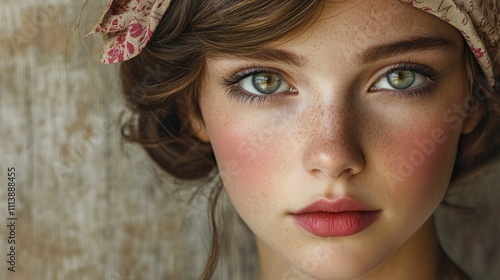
column 336, row 128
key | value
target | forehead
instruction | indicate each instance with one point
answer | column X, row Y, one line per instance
column 356, row 24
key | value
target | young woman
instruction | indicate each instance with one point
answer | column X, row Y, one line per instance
column 335, row 126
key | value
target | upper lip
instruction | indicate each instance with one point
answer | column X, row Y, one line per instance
column 336, row 206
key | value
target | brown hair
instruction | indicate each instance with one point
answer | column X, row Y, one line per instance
column 162, row 85
column 483, row 144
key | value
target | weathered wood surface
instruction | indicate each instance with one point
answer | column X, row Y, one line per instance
column 90, row 207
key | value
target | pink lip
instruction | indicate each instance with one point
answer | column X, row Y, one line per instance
column 343, row 217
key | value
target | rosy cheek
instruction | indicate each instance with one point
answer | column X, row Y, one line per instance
column 425, row 161
column 245, row 158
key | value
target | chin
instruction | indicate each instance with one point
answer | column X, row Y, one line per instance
column 329, row 273
column 321, row 265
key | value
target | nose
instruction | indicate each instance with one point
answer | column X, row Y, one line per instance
column 333, row 149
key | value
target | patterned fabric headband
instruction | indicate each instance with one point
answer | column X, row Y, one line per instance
column 127, row 26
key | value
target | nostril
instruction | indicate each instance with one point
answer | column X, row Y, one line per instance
column 348, row 172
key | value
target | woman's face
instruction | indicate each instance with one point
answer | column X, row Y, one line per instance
column 361, row 114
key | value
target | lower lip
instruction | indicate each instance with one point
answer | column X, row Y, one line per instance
column 328, row 224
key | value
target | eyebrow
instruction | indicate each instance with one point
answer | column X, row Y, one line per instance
column 272, row 55
column 413, row 44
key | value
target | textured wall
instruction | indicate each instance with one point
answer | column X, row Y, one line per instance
column 89, row 206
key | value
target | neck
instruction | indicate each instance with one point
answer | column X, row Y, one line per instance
column 421, row 257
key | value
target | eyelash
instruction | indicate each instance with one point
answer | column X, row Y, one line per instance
column 245, row 97
column 428, row 88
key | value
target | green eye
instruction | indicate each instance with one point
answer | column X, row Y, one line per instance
column 266, row 83
column 401, row 79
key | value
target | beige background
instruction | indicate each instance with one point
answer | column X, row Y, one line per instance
column 91, row 207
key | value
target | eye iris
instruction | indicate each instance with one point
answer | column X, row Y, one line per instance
column 266, row 83
column 401, row 79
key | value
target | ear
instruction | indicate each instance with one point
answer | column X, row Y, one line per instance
column 195, row 123
column 474, row 117
column 199, row 128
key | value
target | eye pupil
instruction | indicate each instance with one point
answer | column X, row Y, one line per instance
column 266, row 83
column 401, row 79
